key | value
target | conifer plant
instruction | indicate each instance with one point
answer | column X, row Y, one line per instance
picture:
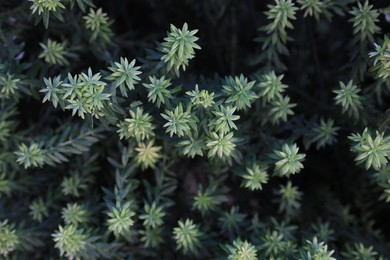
column 191, row 129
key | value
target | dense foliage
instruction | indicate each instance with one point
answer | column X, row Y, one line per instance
column 219, row 129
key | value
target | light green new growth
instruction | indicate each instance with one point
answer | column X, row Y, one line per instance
column 43, row 8
column 236, row 117
column 207, row 199
column 57, row 149
column 8, row 85
column 312, row 7
column 187, row 236
column 193, row 145
column 349, row 99
column 153, row 216
column 272, row 244
column 280, row 15
column 317, row 251
column 54, row 53
column 271, row 86
column 273, row 43
column 82, row 93
column 70, row 240
column 98, row 24
column 147, row 154
column 138, row 126
column 53, row 90
column 9, row 240
column 178, row 121
column 374, row 151
column 381, row 57
column 239, row 91
column 224, row 120
column 202, row 97
column 365, row 20
column 255, row 177
column 288, row 160
column 74, row 214
column 158, row 91
column 124, row 74
column 221, row 145
column 31, row 155
column 241, row 250
column 120, row 219
column 281, row 109
column 179, row 47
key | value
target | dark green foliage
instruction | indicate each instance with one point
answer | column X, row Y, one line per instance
column 190, row 129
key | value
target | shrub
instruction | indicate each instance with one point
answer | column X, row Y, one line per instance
column 194, row 129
